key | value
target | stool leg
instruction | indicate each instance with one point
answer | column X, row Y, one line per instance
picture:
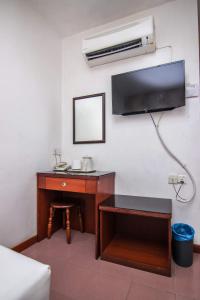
column 64, row 219
column 80, row 219
column 51, row 213
column 68, row 230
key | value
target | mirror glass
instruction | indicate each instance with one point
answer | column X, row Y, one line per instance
column 89, row 119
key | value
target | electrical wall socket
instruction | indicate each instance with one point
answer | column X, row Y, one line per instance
column 181, row 179
column 192, row 90
column 173, row 179
column 176, row 179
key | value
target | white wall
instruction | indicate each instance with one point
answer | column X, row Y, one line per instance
column 30, row 73
column 132, row 149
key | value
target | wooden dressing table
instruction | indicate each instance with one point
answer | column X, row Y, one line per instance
column 88, row 190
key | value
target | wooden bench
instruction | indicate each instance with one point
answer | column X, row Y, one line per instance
column 136, row 232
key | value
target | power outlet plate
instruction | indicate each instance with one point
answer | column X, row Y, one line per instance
column 181, row 179
column 173, row 179
column 176, row 179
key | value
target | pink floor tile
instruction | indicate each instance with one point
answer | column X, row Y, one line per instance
column 187, row 280
column 105, row 286
column 58, row 296
column 71, row 281
column 142, row 292
column 156, row 281
column 77, row 275
column 178, row 297
column 115, row 270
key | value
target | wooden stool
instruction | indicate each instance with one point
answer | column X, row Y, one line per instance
column 66, row 218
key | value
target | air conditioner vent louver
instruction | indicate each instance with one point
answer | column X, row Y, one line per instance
column 124, row 41
column 114, row 49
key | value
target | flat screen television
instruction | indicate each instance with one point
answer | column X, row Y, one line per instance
column 152, row 89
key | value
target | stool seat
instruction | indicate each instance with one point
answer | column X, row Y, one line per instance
column 65, row 206
column 62, row 205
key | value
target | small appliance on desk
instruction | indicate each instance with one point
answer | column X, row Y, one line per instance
column 87, row 164
column 60, row 166
column 84, row 166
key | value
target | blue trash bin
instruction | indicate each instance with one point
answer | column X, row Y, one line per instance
column 182, row 244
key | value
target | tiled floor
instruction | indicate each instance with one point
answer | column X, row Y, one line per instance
column 76, row 275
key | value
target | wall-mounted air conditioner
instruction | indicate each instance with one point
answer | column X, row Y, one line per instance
column 132, row 39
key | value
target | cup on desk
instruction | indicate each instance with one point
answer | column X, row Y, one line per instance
column 76, row 164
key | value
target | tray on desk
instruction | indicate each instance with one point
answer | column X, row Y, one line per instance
column 79, row 171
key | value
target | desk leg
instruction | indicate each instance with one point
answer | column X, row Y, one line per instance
column 42, row 214
column 106, row 187
column 97, row 229
column 99, row 199
column 169, row 248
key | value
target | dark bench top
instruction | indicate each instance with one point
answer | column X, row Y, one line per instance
column 146, row 204
column 71, row 174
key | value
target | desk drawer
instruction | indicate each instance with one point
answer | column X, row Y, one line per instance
column 65, row 184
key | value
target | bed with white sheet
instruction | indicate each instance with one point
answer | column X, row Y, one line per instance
column 22, row 278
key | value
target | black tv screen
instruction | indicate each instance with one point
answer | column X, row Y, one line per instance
column 147, row 90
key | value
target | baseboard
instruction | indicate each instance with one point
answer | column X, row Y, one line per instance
column 33, row 240
column 25, row 244
column 196, row 248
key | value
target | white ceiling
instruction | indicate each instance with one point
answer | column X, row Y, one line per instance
column 72, row 16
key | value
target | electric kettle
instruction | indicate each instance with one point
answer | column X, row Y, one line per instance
column 87, row 164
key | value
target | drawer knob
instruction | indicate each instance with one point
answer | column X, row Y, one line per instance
column 63, row 183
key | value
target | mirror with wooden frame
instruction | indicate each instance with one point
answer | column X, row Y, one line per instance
column 89, row 119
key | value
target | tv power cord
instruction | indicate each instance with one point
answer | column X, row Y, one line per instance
column 175, row 158
column 179, row 189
